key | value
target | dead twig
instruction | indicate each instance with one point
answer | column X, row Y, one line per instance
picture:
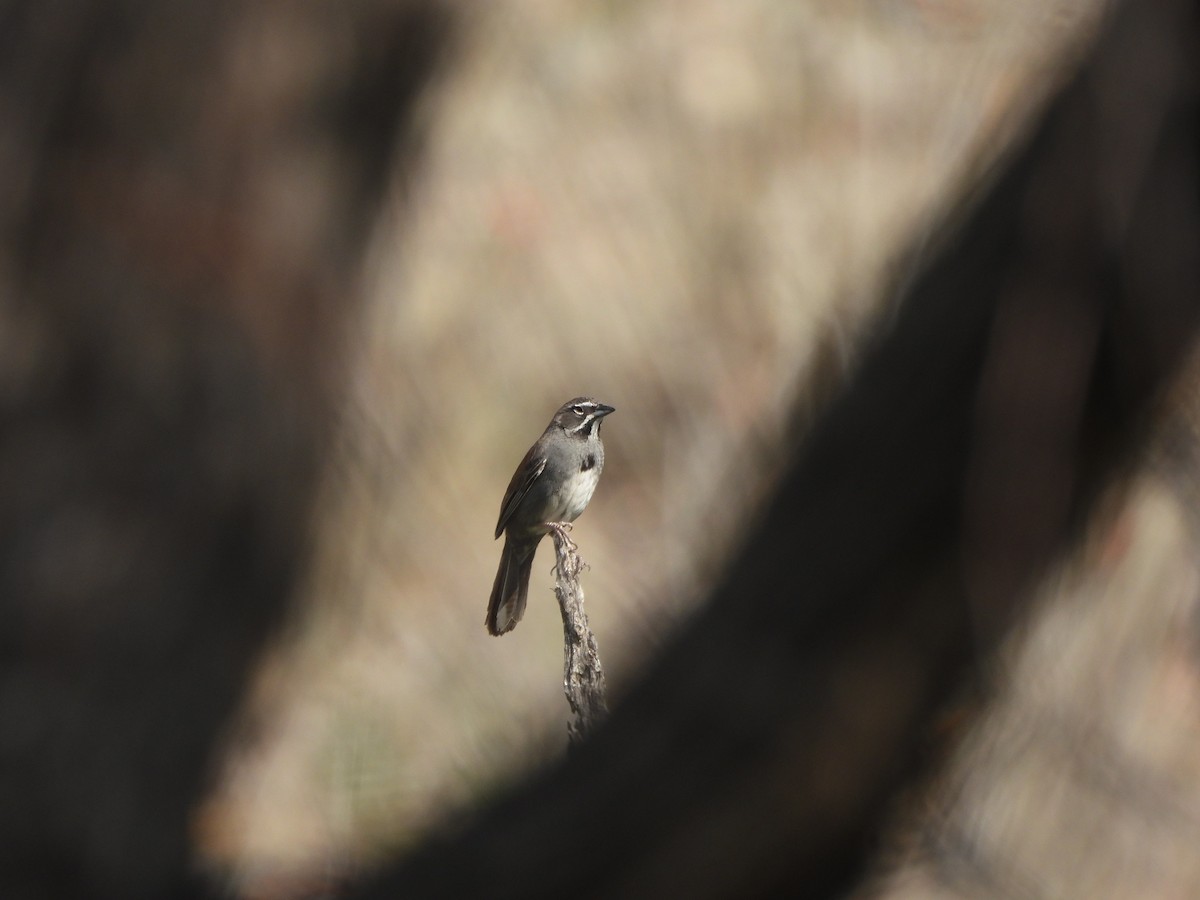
column 583, row 676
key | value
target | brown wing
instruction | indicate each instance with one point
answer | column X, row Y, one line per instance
column 527, row 473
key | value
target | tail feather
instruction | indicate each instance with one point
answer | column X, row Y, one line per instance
column 510, row 590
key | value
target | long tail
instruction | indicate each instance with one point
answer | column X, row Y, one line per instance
column 511, row 589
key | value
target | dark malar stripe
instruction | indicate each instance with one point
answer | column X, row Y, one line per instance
column 587, row 426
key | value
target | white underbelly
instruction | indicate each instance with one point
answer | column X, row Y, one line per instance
column 568, row 502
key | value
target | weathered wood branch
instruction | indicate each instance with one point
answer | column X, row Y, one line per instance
column 583, row 676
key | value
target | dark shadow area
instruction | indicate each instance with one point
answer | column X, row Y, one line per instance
column 171, row 364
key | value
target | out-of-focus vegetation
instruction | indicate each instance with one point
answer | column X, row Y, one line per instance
column 693, row 211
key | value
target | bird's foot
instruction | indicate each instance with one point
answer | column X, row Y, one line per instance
column 561, row 532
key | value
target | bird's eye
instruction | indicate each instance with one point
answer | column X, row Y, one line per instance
column 577, row 409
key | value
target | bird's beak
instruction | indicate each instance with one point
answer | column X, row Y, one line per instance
column 602, row 410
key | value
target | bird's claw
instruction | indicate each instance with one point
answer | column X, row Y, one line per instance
column 561, row 529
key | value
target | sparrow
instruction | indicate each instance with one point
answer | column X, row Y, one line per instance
column 554, row 483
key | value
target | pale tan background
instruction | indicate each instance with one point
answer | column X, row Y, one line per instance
column 690, row 210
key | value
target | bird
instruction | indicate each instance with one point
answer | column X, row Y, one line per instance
column 554, row 483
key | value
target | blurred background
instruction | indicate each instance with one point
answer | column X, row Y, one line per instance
column 689, row 210
column 287, row 290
